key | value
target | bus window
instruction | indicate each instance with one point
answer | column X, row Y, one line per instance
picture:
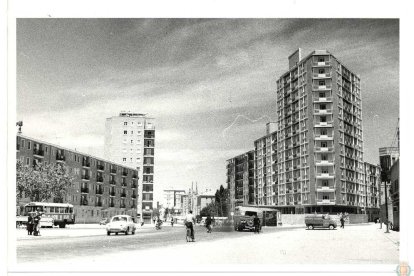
column 250, row 213
column 71, row 210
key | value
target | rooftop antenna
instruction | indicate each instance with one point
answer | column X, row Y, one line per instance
column 19, row 124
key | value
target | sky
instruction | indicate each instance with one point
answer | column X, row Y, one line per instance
column 209, row 83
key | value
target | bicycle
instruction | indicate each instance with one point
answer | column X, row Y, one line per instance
column 188, row 236
column 208, row 226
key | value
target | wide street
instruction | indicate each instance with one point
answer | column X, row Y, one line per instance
column 82, row 247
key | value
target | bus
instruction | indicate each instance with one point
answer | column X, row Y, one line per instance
column 61, row 213
column 244, row 215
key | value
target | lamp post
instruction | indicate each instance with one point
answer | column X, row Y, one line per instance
column 386, row 209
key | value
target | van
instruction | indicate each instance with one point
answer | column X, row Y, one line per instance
column 319, row 221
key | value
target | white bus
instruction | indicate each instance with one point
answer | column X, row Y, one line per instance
column 61, row 213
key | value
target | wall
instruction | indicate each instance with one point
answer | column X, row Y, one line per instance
column 298, row 219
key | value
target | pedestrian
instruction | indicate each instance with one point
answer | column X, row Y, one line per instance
column 36, row 223
column 208, row 223
column 342, row 219
column 256, row 224
column 172, row 221
column 153, row 220
column 30, row 225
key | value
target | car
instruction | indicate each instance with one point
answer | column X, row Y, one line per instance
column 120, row 224
column 319, row 221
column 104, row 221
column 46, row 222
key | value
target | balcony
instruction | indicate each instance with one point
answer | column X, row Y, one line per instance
column 321, row 63
column 84, row 190
column 84, row 202
column 38, row 152
column 323, row 137
column 124, row 184
column 113, row 170
column 124, row 173
column 322, row 111
column 100, row 167
column 321, row 87
column 325, row 202
column 325, row 189
column 86, row 164
column 324, row 124
column 321, row 76
column 322, row 100
column 85, row 177
column 324, row 149
column 99, row 179
column 98, row 204
column 324, row 162
column 60, row 158
column 325, row 175
column 99, row 191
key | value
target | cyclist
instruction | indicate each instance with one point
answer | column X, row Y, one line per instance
column 189, row 223
column 208, row 223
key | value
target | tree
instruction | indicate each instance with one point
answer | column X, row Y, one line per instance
column 155, row 212
column 210, row 209
column 43, row 182
column 222, row 197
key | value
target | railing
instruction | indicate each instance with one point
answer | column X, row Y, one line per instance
column 321, row 63
column 321, row 87
column 326, row 188
column 324, row 75
column 325, row 175
column 323, row 136
column 324, row 148
column 38, row 152
column 323, row 111
column 325, row 201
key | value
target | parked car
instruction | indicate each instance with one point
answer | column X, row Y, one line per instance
column 319, row 221
column 46, row 222
column 120, row 223
column 104, row 221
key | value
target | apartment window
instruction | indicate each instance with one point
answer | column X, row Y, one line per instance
column 125, row 123
column 324, row 157
column 321, row 59
column 125, row 132
column 325, row 183
column 324, row 144
column 324, row 131
column 28, row 144
column 325, row 197
column 322, row 106
column 323, row 119
column 132, row 141
column 27, row 160
column 321, row 82
column 132, row 132
column 322, row 95
column 321, row 71
column 124, row 159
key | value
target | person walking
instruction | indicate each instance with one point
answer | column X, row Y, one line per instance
column 256, row 224
column 189, row 222
column 30, row 225
column 342, row 219
column 208, row 223
column 36, row 223
column 172, row 221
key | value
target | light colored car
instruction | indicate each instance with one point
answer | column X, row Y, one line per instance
column 104, row 221
column 121, row 224
column 46, row 222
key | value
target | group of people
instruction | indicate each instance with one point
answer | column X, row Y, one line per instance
column 33, row 224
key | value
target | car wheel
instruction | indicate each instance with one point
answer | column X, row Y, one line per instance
column 310, row 227
column 331, row 227
column 126, row 231
column 108, row 233
column 133, row 231
column 116, row 233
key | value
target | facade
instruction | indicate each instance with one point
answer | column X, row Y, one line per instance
column 265, row 168
column 172, row 199
column 395, row 194
column 240, row 179
column 130, row 140
column 100, row 189
column 205, row 198
column 320, row 145
column 372, row 184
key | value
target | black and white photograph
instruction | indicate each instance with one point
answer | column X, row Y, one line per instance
column 215, row 144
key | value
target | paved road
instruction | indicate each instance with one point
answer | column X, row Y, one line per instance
column 356, row 244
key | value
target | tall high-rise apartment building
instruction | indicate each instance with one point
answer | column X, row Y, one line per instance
column 320, row 144
column 240, row 179
column 129, row 140
column 265, row 167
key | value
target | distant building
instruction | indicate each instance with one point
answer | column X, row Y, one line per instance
column 172, row 199
column 395, row 194
column 129, row 140
column 240, row 179
column 372, row 184
column 205, row 198
column 101, row 188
